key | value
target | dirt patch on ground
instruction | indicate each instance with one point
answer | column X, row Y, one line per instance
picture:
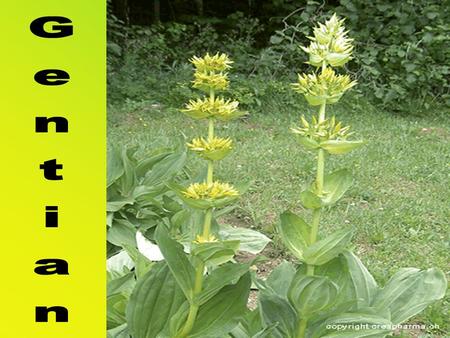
column 263, row 269
column 439, row 132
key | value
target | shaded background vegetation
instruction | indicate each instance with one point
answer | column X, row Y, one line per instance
column 402, row 53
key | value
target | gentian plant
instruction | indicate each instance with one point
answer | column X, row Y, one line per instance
column 331, row 293
column 198, row 289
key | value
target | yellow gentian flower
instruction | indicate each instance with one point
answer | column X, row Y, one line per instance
column 213, row 191
column 207, row 81
column 215, row 63
column 218, row 108
column 327, row 87
column 214, row 150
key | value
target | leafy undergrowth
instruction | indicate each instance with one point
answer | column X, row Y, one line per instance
column 398, row 204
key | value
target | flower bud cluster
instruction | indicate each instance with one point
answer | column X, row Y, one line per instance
column 329, row 45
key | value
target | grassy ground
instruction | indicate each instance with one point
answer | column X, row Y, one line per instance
column 399, row 201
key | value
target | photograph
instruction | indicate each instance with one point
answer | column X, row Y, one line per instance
column 278, row 169
column 265, row 168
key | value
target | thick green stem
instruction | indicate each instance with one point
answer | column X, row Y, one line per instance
column 210, row 129
column 193, row 309
column 198, row 284
column 207, row 223
column 322, row 112
column 316, row 215
column 302, row 328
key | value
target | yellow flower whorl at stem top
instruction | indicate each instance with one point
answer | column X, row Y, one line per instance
column 208, row 63
column 330, row 44
column 212, row 149
column 212, row 191
column 218, row 108
column 327, row 87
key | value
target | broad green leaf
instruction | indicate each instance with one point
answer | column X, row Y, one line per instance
column 219, row 278
column 122, row 233
column 215, row 253
column 310, row 200
column 410, row 291
column 147, row 163
column 119, row 332
column 116, row 305
column 338, row 147
column 277, row 310
column 153, row 302
column 166, row 169
column 308, row 143
column 250, row 240
column 335, row 185
column 221, row 314
column 176, row 259
column 337, row 271
column 127, row 181
column 117, row 204
column 310, row 295
column 115, row 166
column 123, row 284
column 364, row 284
column 180, row 218
column 280, row 279
column 251, row 326
column 294, row 233
column 171, row 204
column 354, row 325
column 326, row 249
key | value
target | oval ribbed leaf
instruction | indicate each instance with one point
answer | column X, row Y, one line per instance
column 363, row 282
column 312, row 294
column 294, row 232
column 221, row 314
column 277, row 310
column 326, row 249
column 176, row 259
column 335, row 185
column 338, row 147
column 155, row 299
column 310, row 200
column 410, row 291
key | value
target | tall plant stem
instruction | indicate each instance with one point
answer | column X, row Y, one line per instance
column 302, row 328
column 193, row 309
column 199, row 270
column 210, row 175
column 316, row 214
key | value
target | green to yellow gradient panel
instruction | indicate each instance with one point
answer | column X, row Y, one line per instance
column 79, row 238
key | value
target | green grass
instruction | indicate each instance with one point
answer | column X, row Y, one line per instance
column 399, row 203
